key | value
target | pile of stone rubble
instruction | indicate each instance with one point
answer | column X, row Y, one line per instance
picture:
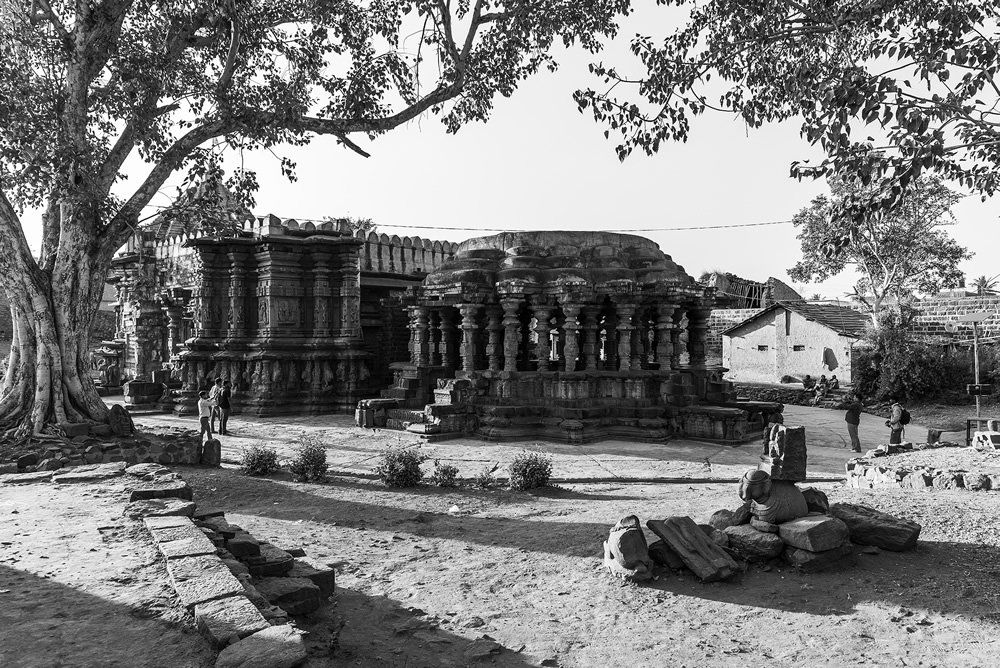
column 777, row 519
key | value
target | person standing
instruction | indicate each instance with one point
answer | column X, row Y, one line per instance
column 853, row 419
column 213, row 396
column 205, row 407
column 225, row 407
column 895, row 424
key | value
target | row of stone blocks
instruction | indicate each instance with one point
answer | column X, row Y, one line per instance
column 81, row 450
column 865, row 475
column 240, row 590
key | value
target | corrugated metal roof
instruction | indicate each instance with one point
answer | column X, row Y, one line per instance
column 843, row 320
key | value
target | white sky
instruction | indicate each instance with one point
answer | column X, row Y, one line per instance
column 540, row 164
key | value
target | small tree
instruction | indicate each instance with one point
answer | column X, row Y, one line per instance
column 897, row 253
column 985, row 286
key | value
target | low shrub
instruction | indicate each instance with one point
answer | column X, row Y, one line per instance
column 309, row 463
column 444, row 475
column 530, row 470
column 485, row 479
column 259, row 460
column 400, row 467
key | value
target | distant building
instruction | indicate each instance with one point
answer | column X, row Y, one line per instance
column 793, row 339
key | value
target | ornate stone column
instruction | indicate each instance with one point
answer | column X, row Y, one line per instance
column 590, row 336
column 610, row 341
column 511, row 334
column 421, row 346
column 448, row 335
column 698, row 335
column 434, row 337
column 494, row 348
column 411, row 326
column 625, row 331
column 675, row 338
column 468, row 312
column 664, row 331
column 543, row 314
column 237, row 295
column 321, row 295
column 572, row 326
column 174, row 314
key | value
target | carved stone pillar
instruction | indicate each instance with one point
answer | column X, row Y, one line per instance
column 237, row 295
column 421, row 346
column 543, row 351
column 571, row 351
column 512, row 333
column 448, row 332
column 698, row 335
column 434, row 337
column 625, row 330
column 468, row 312
column 494, row 348
column 638, row 345
column 664, row 331
column 610, row 341
column 590, row 336
column 321, row 293
column 174, row 315
column 411, row 325
column 675, row 338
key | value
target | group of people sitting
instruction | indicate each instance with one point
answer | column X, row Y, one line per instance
column 821, row 387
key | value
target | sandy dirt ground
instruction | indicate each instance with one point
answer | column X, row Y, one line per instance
column 439, row 577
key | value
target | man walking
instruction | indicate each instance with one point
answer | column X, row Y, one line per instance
column 853, row 419
column 213, row 396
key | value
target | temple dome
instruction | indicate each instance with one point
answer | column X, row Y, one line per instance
column 553, row 261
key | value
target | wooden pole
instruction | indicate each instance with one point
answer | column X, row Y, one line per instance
column 975, row 352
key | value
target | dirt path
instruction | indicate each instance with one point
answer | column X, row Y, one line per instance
column 417, row 582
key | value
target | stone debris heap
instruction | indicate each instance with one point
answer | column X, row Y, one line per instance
column 776, row 520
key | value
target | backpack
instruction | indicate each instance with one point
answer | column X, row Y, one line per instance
column 904, row 417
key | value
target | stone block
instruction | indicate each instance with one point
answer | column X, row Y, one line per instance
column 201, row 579
column 220, row 526
column 211, row 453
column 316, row 572
column 661, row 554
column 274, row 647
column 227, row 620
column 73, row 429
column 236, row 567
column 916, row 480
column 816, row 533
column 868, row 526
column 626, row 554
column 270, row 562
column 947, row 480
column 90, row 473
column 26, row 478
column 149, row 471
column 161, row 489
column 976, row 481
column 26, row 460
column 158, row 508
column 760, row 525
column 296, row 596
column 787, row 454
column 843, row 556
column 243, row 545
column 816, row 500
column 166, row 522
column 706, row 559
column 182, row 541
column 752, row 544
column 9, row 467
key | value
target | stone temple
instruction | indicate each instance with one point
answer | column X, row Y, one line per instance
column 574, row 336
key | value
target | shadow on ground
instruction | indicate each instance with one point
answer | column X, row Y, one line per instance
column 44, row 623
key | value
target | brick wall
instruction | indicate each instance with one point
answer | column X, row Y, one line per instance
column 936, row 312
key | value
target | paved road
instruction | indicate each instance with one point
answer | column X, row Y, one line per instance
column 355, row 450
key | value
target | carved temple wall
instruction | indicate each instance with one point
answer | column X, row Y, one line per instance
column 282, row 309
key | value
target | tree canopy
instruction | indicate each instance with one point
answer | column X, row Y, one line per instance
column 889, row 89
column 167, row 86
column 896, row 253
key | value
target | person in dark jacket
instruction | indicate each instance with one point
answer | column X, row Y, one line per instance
column 853, row 419
column 225, row 406
column 895, row 424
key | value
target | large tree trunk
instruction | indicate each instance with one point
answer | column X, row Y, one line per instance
column 48, row 381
